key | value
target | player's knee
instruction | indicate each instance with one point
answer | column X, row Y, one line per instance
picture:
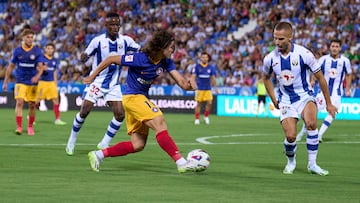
column 84, row 114
column 311, row 125
column 291, row 138
column 119, row 116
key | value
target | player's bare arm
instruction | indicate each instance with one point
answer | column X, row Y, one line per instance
column 182, row 82
column 114, row 59
column 348, row 78
column 270, row 90
column 213, row 81
column 40, row 69
column 8, row 72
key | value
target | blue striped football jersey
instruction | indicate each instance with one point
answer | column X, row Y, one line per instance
column 293, row 72
column 101, row 47
column 334, row 71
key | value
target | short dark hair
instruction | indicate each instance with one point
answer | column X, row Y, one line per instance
column 50, row 44
column 112, row 15
column 283, row 26
column 205, row 53
column 335, row 40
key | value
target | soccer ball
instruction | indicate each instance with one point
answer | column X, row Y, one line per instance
column 199, row 158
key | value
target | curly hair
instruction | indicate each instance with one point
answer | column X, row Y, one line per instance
column 161, row 39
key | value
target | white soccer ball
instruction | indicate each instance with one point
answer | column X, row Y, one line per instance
column 199, row 158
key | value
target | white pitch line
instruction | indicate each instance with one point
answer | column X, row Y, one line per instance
column 200, row 140
column 205, row 140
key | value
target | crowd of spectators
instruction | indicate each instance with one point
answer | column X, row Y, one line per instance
column 198, row 25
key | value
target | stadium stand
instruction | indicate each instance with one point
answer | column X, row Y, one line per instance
column 236, row 33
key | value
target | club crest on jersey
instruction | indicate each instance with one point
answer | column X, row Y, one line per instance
column 159, row 70
column 120, row 46
column 286, row 77
column 284, row 110
column 333, row 73
column 129, row 58
column 295, row 62
column 32, row 57
column 155, row 109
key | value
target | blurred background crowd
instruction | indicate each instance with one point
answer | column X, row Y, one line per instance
column 237, row 34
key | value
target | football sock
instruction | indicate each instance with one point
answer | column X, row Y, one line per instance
column 19, row 121
column 112, row 128
column 312, row 145
column 290, row 149
column 197, row 115
column 78, row 122
column 181, row 161
column 120, row 149
column 168, row 145
column 31, row 121
column 326, row 123
column 206, row 113
column 56, row 111
column 99, row 154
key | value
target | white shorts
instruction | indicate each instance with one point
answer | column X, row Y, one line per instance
column 320, row 101
column 294, row 110
column 93, row 93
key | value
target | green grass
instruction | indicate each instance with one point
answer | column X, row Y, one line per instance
column 246, row 164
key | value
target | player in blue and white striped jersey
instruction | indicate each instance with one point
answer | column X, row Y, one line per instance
column 336, row 68
column 106, row 84
column 292, row 65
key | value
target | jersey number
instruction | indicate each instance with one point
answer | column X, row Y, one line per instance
column 95, row 90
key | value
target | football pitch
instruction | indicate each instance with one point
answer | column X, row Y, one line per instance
column 247, row 160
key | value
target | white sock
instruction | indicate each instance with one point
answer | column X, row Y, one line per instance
column 312, row 143
column 99, row 154
column 181, row 161
column 324, row 126
column 112, row 128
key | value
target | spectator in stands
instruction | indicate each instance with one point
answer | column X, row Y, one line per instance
column 59, row 23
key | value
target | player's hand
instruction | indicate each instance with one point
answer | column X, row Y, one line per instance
column 87, row 80
column 5, row 86
column 216, row 90
column 276, row 104
column 192, row 84
column 35, row 79
column 331, row 109
column 347, row 93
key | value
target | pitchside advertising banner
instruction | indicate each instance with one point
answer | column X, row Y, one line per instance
column 231, row 101
column 248, row 107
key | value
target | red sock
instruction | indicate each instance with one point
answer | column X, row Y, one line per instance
column 168, row 145
column 56, row 111
column 197, row 115
column 206, row 113
column 19, row 121
column 31, row 121
column 120, row 149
